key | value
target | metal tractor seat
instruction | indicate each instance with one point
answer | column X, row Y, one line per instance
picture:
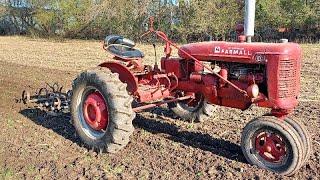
column 122, row 47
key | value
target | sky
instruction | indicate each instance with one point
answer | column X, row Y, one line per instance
column 175, row 2
column 22, row 3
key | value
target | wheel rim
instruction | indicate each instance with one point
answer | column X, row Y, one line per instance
column 270, row 147
column 93, row 113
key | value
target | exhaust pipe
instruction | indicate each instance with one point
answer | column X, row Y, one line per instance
column 250, row 8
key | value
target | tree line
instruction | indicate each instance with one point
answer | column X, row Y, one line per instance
column 182, row 20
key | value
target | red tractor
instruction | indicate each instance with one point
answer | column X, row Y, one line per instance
column 231, row 74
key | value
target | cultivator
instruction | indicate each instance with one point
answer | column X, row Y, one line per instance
column 51, row 98
column 232, row 74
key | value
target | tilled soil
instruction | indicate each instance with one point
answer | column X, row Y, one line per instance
column 36, row 145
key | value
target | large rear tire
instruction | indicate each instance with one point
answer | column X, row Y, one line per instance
column 101, row 110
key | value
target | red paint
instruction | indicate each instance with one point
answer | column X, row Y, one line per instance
column 271, row 147
column 125, row 75
column 196, row 77
column 242, row 38
column 224, row 74
column 238, row 52
column 278, row 86
column 95, row 111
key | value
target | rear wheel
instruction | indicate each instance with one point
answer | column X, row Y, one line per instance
column 272, row 144
column 196, row 109
column 101, row 110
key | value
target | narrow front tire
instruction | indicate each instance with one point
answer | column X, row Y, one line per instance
column 272, row 144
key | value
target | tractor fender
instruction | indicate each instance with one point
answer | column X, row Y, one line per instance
column 125, row 75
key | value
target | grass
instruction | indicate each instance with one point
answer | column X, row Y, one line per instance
column 7, row 174
column 190, row 126
column 10, row 123
column 71, row 55
column 118, row 169
column 144, row 133
column 113, row 171
column 199, row 174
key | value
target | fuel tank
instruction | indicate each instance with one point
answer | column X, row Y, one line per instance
column 254, row 53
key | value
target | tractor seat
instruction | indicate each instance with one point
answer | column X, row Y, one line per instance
column 122, row 47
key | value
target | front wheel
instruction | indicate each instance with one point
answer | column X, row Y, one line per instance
column 272, row 144
column 101, row 110
column 304, row 135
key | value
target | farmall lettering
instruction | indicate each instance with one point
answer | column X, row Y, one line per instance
column 232, row 51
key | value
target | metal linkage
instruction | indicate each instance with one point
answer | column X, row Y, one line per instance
column 50, row 98
column 152, row 105
column 169, row 43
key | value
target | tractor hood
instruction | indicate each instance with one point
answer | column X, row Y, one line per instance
column 255, row 53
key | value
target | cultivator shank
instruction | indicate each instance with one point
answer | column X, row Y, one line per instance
column 50, row 98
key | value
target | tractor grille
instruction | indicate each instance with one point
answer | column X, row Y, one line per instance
column 287, row 79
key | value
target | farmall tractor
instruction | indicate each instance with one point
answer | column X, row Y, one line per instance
column 231, row 74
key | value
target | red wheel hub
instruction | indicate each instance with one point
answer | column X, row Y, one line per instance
column 95, row 111
column 270, row 147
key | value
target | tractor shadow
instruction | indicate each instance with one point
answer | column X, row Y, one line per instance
column 61, row 125
column 197, row 140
